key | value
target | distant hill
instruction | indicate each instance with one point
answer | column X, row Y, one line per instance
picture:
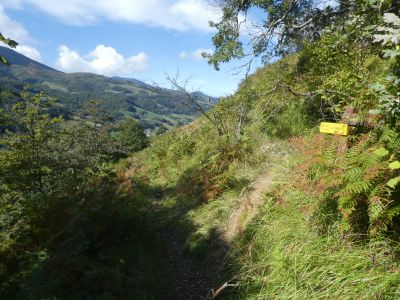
column 120, row 97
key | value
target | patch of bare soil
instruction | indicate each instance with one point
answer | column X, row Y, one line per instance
column 248, row 205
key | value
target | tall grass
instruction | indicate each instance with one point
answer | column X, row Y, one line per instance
column 283, row 257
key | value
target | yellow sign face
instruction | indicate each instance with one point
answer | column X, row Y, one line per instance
column 334, row 128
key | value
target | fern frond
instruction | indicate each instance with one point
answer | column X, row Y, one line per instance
column 388, row 136
column 352, row 174
column 393, row 212
column 376, row 208
column 347, row 203
column 355, row 188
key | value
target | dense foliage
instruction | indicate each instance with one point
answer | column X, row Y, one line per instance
column 287, row 26
column 75, row 224
column 340, row 198
column 56, row 184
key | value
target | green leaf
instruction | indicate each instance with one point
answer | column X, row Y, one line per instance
column 8, row 42
column 392, row 183
column 394, row 165
column 369, row 28
column 381, row 152
column 4, row 61
column 391, row 18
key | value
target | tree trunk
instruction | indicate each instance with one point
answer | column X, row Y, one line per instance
column 240, row 123
column 396, row 7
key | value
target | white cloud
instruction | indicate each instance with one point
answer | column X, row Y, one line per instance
column 13, row 29
column 102, row 60
column 184, row 55
column 29, row 52
column 196, row 55
column 178, row 15
column 195, row 13
column 16, row 31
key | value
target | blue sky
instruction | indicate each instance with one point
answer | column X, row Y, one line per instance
column 142, row 39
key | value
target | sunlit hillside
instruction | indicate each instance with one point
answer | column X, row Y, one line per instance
column 287, row 188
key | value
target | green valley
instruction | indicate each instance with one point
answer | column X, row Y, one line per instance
column 120, row 97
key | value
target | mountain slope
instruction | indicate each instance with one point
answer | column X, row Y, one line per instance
column 120, row 97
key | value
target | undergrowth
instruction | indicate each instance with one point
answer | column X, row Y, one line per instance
column 285, row 255
column 154, row 225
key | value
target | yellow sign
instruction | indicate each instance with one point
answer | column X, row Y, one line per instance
column 334, row 128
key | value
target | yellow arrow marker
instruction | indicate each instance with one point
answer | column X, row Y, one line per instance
column 334, row 128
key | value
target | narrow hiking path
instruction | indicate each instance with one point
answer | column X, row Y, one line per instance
column 193, row 277
column 253, row 196
column 248, row 205
column 195, row 238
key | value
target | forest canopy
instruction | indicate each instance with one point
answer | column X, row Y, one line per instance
column 286, row 26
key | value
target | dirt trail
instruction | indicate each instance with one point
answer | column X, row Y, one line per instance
column 193, row 279
column 248, row 205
